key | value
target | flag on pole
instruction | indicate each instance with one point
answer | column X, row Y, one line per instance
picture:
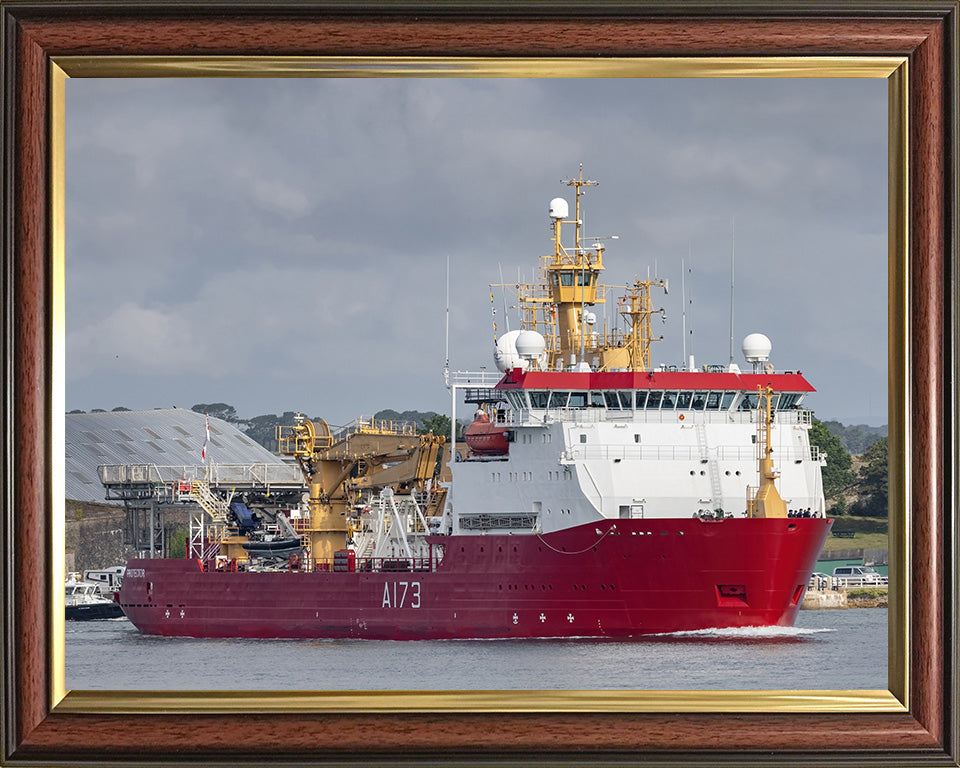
column 206, row 440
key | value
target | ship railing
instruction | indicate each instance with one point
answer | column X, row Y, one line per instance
column 397, row 564
column 672, row 452
column 473, row 378
column 370, row 425
column 590, row 415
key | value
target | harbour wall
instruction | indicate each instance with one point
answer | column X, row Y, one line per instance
column 845, row 597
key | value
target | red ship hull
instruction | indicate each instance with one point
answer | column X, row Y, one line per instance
column 614, row 579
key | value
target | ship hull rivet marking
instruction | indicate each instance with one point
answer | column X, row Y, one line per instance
column 570, row 617
column 516, row 619
column 542, row 618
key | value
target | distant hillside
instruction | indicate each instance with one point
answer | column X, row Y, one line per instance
column 856, row 438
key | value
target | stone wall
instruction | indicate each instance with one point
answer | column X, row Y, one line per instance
column 95, row 532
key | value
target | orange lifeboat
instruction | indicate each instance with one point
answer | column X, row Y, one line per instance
column 486, row 439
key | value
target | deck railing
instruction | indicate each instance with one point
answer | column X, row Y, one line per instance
column 675, row 453
column 215, row 474
column 533, row 417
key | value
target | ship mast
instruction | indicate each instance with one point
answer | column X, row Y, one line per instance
column 766, row 501
column 556, row 306
column 637, row 308
column 572, row 281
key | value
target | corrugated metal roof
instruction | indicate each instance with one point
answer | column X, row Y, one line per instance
column 166, row 437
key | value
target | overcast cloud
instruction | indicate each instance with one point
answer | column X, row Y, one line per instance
column 282, row 244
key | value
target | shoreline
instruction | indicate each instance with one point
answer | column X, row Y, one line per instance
column 839, row 599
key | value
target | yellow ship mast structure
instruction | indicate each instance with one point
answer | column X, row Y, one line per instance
column 766, row 500
column 556, row 305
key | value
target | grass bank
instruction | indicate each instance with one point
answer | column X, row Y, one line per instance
column 868, row 533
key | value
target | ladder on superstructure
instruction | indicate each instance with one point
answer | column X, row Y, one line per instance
column 713, row 468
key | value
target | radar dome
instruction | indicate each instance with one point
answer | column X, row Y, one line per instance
column 756, row 348
column 530, row 345
column 506, row 355
column 559, row 208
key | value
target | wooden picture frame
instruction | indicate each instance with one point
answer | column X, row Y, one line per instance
column 42, row 38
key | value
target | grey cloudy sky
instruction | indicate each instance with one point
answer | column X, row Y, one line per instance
column 282, row 244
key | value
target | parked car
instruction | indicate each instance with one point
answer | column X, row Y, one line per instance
column 858, row 576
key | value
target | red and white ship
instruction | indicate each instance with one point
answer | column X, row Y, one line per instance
column 595, row 496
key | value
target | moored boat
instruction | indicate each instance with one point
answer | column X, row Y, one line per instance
column 84, row 602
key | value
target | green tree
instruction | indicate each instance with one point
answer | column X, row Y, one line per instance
column 872, row 482
column 263, row 429
column 218, row 410
column 838, row 476
column 438, row 424
column 177, row 544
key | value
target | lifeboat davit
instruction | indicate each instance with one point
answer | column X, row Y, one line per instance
column 486, row 439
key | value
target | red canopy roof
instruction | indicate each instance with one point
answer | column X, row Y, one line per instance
column 675, row 380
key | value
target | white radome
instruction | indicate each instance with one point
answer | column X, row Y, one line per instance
column 530, row 345
column 756, row 348
column 559, row 208
column 506, row 355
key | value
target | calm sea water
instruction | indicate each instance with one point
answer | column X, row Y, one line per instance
column 833, row 649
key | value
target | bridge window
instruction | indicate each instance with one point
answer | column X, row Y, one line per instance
column 584, row 278
column 699, row 401
column 641, row 400
column 538, row 399
column 653, row 400
column 517, row 399
column 713, row 400
column 683, row 399
column 578, row 400
column 728, row 398
column 566, row 278
column 748, row 401
column 596, row 399
column 789, row 400
column 669, row 401
column 559, row 399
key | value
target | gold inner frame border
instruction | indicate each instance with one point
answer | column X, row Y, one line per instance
column 895, row 699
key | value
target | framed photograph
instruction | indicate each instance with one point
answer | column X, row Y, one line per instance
column 914, row 720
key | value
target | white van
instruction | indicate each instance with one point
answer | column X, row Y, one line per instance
column 858, row 575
